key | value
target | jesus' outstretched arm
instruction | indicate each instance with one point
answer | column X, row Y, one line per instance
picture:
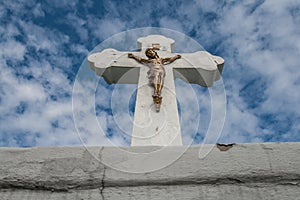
column 172, row 59
column 137, row 58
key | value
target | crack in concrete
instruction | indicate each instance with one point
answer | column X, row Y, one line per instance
column 102, row 184
column 103, row 176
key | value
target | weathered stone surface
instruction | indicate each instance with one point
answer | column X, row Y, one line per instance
column 53, row 168
column 245, row 171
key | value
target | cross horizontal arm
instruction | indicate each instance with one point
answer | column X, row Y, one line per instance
column 199, row 68
column 114, row 66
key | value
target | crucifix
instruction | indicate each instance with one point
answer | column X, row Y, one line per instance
column 156, row 73
column 156, row 121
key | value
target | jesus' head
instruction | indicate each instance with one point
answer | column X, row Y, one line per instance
column 150, row 53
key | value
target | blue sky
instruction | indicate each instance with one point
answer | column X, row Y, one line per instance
column 43, row 44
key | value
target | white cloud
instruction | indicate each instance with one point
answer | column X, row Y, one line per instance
column 171, row 23
column 78, row 24
column 63, row 3
column 80, row 49
column 104, row 28
column 43, row 38
column 12, row 50
column 35, row 101
column 38, row 11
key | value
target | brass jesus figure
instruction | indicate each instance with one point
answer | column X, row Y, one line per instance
column 156, row 72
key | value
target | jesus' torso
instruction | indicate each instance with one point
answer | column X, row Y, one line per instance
column 156, row 68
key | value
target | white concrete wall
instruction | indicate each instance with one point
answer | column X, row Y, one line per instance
column 245, row 171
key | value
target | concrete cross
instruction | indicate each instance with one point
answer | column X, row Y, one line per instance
column 150, row 127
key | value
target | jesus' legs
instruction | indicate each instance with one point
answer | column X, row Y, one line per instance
column 158, row 85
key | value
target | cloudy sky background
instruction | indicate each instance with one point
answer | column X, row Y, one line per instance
column 43, row 44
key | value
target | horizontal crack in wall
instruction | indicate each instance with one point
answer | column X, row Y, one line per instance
column 93, row 184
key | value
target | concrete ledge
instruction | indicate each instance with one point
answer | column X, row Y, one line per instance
column 174, row 192
column 270, row 165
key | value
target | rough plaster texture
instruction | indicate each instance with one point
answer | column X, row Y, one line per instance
column 150, row 127
column 245, row 171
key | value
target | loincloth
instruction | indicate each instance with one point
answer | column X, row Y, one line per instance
column 154, row 74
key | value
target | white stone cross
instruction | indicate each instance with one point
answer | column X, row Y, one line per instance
column 151, row 128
